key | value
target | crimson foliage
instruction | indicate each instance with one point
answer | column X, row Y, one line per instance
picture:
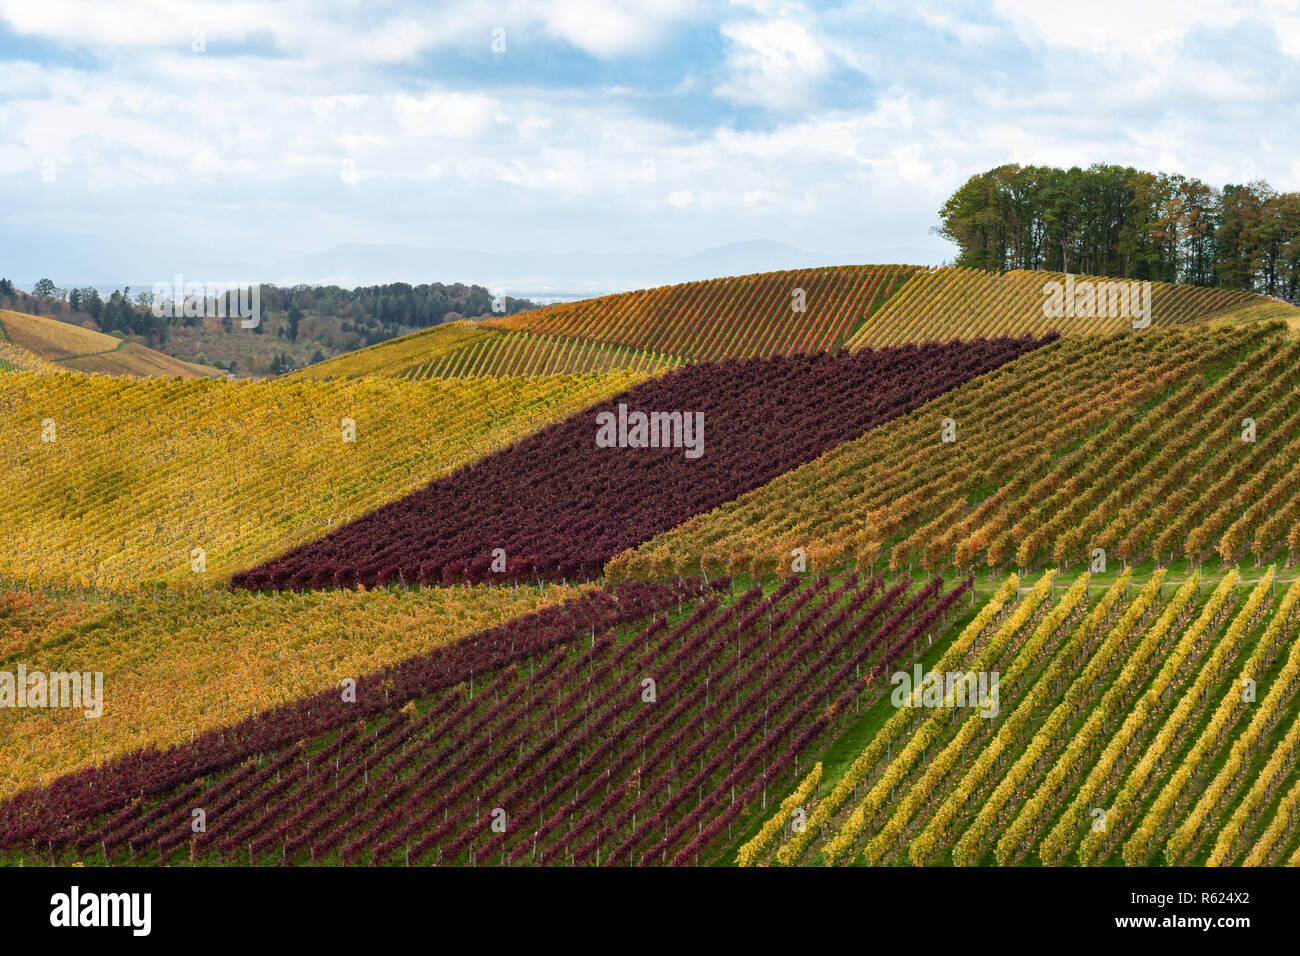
column 559, row 506
column 569, row 756
column 40, row 816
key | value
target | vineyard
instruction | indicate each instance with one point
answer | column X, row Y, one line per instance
column 772, row 313
column 1140, row 723
column 19, row 359
column 1136, row 724
column 126, row 483
column 518, row 353
column 948, row 303
column 466, row 350
column 855, row 566
column 61, row 345
column 176, row 666
column 648, row 745
column 1169, row 446
column 496, row 520
column 399, row 357
column 15, row 358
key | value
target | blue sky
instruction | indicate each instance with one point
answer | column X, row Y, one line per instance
column 288, row 141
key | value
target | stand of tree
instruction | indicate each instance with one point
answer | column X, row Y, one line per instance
column 369, row 308
column 299, row 325
column 1125, row 222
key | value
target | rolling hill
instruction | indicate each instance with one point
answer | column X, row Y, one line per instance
column 1109, row 709
column 470, row 350
column 181, row 664
column 137, row 476
column 82, row 350
column 961, row 303
column 737, row 424
column 942, row 598
column 799, row 310
column 1134, row 444
column 13, row 358
column 756, row 316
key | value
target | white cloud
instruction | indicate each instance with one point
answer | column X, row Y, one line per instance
column 1150, row 31
column 606, row 28
column 338, row 141
column 340, row 31
column 772, row 62
column 454, row 115
column 1283, row 18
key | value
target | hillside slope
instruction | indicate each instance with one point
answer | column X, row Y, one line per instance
column 14, row 358
column 1111, row 701
column 1116, row 705
column 559, row 503
column 178, row 665
column 137, row 474
column 770, row 313
column 946, row 303
column 636, row 722
column 759, row 315
column 84, row 350
column 744, row 316
column 1134, row 444
column 470, row 349
column 593, row 775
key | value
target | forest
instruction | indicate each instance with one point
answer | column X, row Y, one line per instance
column 1124, row 222
column 300, row 324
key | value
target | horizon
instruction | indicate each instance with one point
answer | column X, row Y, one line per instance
column 542, row 294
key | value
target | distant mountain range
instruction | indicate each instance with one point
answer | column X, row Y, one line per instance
column 553, row 274
column 537, row 274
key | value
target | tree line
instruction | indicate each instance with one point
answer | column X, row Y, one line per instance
column 377, row 312
column 1128, row 223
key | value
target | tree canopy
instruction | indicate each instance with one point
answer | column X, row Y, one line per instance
column 1130, row 223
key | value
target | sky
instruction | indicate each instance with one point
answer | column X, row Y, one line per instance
column 581, row 143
